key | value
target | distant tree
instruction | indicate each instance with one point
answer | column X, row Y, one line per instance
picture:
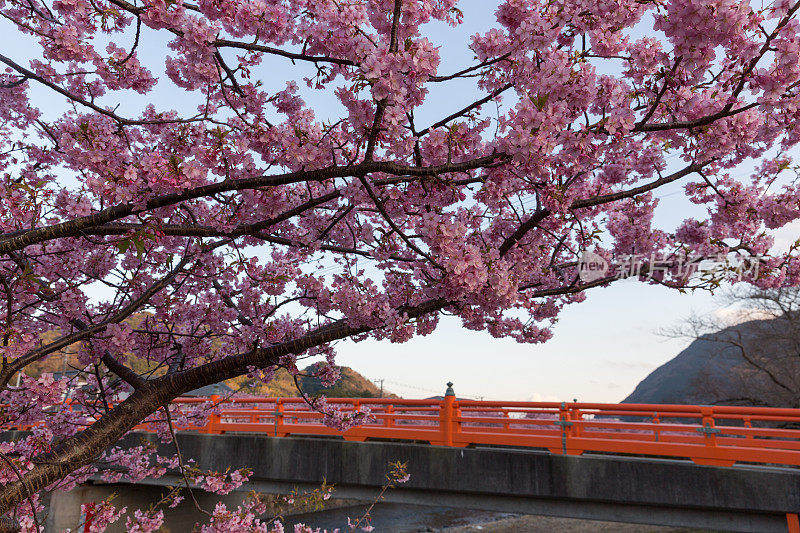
column 252, row 229
column 758, row 338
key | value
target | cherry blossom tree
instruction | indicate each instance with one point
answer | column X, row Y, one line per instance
column 172, row 249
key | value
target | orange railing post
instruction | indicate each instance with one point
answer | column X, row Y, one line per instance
column 456, row 419
column 278, row 414
column 446, row 412
column 566, row 426
column 389, row 420
column 215, row 419
column 708, row 428
column 575, row 416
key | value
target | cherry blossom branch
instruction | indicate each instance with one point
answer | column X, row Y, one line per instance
column 87, row 331
column 135, row 42
column 395, row 228
column 689, row 124
column 86, row 103
column 230, row 303
column 372, row 139
column 188, row 230
column 181, row 464
column 29, row 493
column 462, row 73
column 255, row 229
column 252, row 47
column 537, row 217
column 83, row 448
column 630, row 193
column 573, row 288
column 231, row 76
column 764, row 49
column 660, row 94
column 398, row 474
column 474, row 105
column 255, row 47
column 18, row 240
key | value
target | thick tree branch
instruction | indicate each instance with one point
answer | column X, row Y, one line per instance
column 125, row 374
column 630, row 193
column 523, row 230
column 18, row 240
column 374, row 133
column 689, row 124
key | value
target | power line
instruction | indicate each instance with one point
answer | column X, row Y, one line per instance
column 424, row 389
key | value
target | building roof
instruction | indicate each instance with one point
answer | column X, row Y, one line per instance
column 208, row 390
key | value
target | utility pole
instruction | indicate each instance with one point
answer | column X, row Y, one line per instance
column 381, row 382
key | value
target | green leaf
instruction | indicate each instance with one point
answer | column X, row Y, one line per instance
column 139, row 244
column 122, row 246
column 540, row 101
column 175, row 164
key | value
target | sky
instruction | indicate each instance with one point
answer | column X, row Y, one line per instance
column 601, row 348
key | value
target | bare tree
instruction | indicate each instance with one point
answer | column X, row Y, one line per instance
column 755, row 348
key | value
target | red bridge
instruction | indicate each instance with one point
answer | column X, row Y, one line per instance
column 708, row 435
column 617, row 462
column 649, row 489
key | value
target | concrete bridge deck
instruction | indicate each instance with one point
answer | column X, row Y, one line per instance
column 600, row 487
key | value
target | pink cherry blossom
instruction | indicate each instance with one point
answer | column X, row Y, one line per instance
column 195, row 192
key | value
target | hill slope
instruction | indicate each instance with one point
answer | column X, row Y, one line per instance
column 350, row 385
column 712, row 370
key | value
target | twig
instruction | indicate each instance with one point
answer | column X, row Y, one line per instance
column 181, row 464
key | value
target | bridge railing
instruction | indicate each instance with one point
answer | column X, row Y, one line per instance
column 710, row 435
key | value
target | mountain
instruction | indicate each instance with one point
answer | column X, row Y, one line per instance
column 752, row 363
column 350, row 385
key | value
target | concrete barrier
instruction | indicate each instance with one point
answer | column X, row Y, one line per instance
column 633, row 490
